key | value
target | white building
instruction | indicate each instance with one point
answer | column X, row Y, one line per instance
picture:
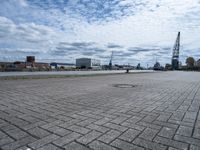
column 197, row 63
column 88, row 63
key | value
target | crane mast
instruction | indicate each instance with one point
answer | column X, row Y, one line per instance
column 175, row 55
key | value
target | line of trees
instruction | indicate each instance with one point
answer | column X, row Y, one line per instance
column 192, row 64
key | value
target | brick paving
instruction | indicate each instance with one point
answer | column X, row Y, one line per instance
column 88, row 113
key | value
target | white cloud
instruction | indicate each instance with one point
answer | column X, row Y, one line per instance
column 23, row 3
column 128, row 23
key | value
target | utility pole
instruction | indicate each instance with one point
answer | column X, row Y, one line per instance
column 110, row 63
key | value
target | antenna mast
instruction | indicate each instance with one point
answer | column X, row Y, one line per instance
column 110, row 63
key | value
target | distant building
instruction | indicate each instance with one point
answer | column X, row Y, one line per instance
column 138, row 66
column 19, row 64
column 42, row 65
column 197, row 63
column 55, row 65
column 29, row 65
column 6, row 66
column 30, row 59
column 88, row 63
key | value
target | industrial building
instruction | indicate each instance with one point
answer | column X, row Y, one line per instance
column 23, row 66
column 88, row 63
column 30, row 62
column 197, row 63
column 55, row 65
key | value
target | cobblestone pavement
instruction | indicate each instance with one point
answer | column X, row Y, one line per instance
column 161, row 112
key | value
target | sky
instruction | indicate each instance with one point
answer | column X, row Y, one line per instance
column 137, row 31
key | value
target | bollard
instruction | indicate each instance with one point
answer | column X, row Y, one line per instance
column 127, row 70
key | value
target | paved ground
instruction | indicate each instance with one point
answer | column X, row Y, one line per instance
column 63, row 73
column 160, row 113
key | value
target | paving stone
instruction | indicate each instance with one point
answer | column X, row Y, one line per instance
column 59, row 131
column 19, row 143
column 6, row 140
column 196, row 133
column 149, row 118
column 185, row 131
column 188, row 140
column 129, row 135
column 49, row 147
column 167, row 132
column 8, row 127
column 177, row 116
column 171, row 148
column 41, row 142
column 102, row 121
column 51, row 124
column 148, row 134
column 90, row 115
column 62, row 118
column 66, row 139
column 149, row 144
column 134, row 119
column 78, row 129
column 166, row 124
column 149, row 125
column 172, row 143
column 89, row 137
column 189, row 120
column 98, row 128
column 188, row 124
column 38, row 132
column 119, row 120
column 17, row 134
column 125, row 145
column 197, row 125
column 78, row 117
column 134, row 126
column 33, row 125
column 86, row 122
column 2, row 135
column 97, row 145
column 23, row 148
column 115, row 126
column 68, row 123
column 75, row 146
column 109, row 136
column 193, row 147
column 190, row 115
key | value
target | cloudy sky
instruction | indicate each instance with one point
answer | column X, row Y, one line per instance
column 63, row 30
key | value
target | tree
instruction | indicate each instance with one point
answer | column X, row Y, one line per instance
column 157, row 66
column 190, row 62
column 168, row 67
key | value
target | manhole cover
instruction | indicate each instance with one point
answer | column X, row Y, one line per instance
column 124, row 85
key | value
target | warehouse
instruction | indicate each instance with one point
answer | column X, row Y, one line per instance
column 88, row 63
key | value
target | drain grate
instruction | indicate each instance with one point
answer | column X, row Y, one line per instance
column 124, row 85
